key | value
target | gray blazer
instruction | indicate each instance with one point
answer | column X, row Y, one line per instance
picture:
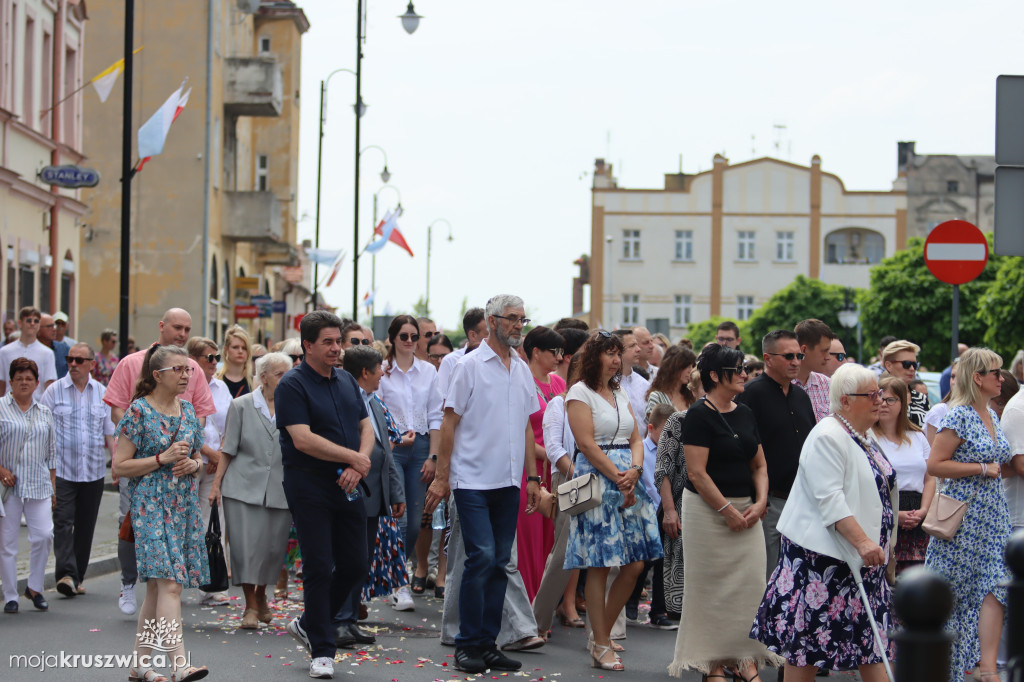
column 381, row 497
column 255, row 475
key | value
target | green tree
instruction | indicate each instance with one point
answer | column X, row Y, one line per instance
column 419, row 309
column 907, row 301
column 801, row 299
column 1000, row 309
column 703, row 333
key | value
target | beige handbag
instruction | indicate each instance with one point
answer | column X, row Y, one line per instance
column 945, row 514
column 579, row 494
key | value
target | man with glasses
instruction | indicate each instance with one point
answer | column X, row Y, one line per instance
column 728, row 335
column 784, row 417
column 427, row 331
column 174, row 328
column 486, row 440
column 28, row 346
column 836, row 357
column 352, row 335
column 815, row 339
column 84, row 436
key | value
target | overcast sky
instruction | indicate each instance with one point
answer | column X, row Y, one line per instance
column 492, row 115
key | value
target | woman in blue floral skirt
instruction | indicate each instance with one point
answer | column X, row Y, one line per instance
column 970, row 452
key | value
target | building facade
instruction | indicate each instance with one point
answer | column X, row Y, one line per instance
column 41, row 62
column 723, row 241
column 943, row 187
column 217, row 208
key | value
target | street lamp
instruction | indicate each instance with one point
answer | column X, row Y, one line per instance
column 410, row 20
column 385, row 174
column 373, row 258
column 430, row 230
column 849, row 316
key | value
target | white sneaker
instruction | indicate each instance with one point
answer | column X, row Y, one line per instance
column 322, row 668
column 401, row 599
column 126, row 602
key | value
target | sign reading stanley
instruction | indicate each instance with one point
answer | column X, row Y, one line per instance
column 69, row 176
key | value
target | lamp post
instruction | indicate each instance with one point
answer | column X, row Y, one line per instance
column 430, row 232
column 849, row 317
column 373, row 258
column 410, row 21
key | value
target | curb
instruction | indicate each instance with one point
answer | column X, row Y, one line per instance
column 101, row 565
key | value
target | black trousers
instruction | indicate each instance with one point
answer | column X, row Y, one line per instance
column 348, row 614
column 74, row 520
column 332, row 538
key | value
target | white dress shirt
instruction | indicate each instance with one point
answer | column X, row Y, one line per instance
column 495, row 405
column 444, row 372
column 27, row 447
column 81, row 420
column 1012, row 422
column 413, row 397
column 213, row 432
column 37, row 353
column 558, row 440
column 636, row 388
column 260, row 403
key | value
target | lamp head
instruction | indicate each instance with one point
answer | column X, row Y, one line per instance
column 385, row 174
column 410, row 20
column 360, row 107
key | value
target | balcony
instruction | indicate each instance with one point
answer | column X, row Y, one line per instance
column 253, row 86
column 252, row 217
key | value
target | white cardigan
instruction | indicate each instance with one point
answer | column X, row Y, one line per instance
column 834, row 481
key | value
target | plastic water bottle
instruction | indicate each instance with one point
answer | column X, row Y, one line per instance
column 437, row 521
column 352, row 495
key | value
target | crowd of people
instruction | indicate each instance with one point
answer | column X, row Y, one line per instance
column 745, row 496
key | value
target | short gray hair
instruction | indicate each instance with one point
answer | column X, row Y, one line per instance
column 847, row 379
column 83, row 344
column 497, row 305
column 270, row 360
column 291, row 347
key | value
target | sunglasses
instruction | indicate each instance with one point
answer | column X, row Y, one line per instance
column 77, row 361
column 179, row 369
column 428, row 335
column 604, row 334
column 30, row 320
column 874, row 395
column 995, row 371
column 404, row 336
column 558, row 352
column 738, row 370
column 789, row 357
column 211, row 357
column 295, row 358
column 356, row 342
column 838, row 356
column 910, row 364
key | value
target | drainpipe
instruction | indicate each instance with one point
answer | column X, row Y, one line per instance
column 205, row 294
column 57, row 81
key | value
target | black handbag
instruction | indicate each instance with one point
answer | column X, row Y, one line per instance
column 215, row 554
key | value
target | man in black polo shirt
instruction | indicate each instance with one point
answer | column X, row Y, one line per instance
column 326, row 441
column 784, row 418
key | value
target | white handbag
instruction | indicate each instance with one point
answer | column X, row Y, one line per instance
column 579, row 494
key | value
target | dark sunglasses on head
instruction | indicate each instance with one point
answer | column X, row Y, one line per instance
column 910, row 364
column 838, row 356
column 604, row 334
column 211, row 357
column 295, row 358
column 77, row 361
column 788, row 357
column 404, row 336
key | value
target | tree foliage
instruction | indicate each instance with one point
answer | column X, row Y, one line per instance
column 1000, row 309
column 801, row 299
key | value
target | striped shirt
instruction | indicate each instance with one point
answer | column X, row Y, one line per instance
column 81, row 420
column 27, row 437
column 817, row 387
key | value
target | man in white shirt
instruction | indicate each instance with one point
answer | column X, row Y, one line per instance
column 645, row 344
column 28, row 346
column 474, row 323
column 486, row 439
column 84, row 436
column 632, row 383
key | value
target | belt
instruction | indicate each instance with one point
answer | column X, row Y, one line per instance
column 613, row 446
column 779, row 494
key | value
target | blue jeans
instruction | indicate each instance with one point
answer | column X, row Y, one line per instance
column 409, row 459
column 488, row 519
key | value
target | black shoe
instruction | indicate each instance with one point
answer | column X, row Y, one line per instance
column 662, row 622
column 468, row 659
column 632, row 612
column 37, row 601
column 496, row 660
column 823, row 672
column 349, row 634
column 11, row 607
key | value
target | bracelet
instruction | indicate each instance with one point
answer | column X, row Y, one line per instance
column 198, row 466
column 158, row 465
column 722, row 508
column 983, row 470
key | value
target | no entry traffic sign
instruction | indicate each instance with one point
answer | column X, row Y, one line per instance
column 956, row 252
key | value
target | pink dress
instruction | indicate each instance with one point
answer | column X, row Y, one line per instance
column 535, row 534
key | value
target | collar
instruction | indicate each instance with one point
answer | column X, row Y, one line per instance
column 781, row 387
column 650, row 444
column 9, row 399
column 304, row 367
column 259, row 402
column 363, row 394
column 417, row 366
column 67, row 382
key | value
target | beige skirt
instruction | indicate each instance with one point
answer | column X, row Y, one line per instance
column 725, row 583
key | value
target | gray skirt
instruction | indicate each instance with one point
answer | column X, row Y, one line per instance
column 257, row 540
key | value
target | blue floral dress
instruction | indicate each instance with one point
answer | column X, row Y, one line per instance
column 972, row 562
column 812, row 613
column 170, row 541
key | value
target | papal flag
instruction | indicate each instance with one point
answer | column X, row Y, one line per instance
column 105, row 81
column 153, row 132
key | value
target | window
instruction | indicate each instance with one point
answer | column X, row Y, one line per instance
column 744, row 307
column 28, row 90
column 69, row 110
column 47, row 73
column 630, row 309
column 854, row 246
column 631, row 244
column 262, row 181
column 684, row 244
column 265, row 44
column 745, row 245
column 952, row 186
column 784, row 246
column 682, row 310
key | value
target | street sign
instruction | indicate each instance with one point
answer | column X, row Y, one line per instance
column 69, row 176
column 956, row 252
column 246, row 312
column 280, row 306
column 1009, row 223
column 247, row 283
column 1009, row 107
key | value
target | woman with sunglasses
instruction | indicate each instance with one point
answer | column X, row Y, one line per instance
column 158, row 450
column 907, row 449
column 236, row 372
column 971, row 452
column 410, row 390
column 899, row 359
column 723, row 501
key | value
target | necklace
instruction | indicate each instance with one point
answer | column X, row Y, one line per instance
column 861, row 439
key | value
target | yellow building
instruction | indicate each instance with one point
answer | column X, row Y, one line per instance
column 41, row 48
column 219, row 203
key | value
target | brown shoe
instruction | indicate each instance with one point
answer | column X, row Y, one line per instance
column 250, row 620
column 265, row 614
column 581, row 604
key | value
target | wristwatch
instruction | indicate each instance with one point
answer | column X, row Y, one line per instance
column 533, row 478
column 433, row 458
column 639, row 469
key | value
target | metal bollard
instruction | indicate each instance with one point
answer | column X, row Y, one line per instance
column 1014, row 556
column 923, row 602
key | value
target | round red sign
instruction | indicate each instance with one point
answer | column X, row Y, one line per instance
column 956, row 251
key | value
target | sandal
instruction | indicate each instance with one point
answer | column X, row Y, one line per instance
column 439, row 591
column 599, row 652
column 190, row 674
column 146, row 676
column 576, row 622
column 419, row 584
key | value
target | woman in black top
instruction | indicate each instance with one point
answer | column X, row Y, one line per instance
column 724, row 499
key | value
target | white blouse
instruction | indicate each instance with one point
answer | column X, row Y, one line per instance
column 413, row 397
column 910, row 460
column 605, row 416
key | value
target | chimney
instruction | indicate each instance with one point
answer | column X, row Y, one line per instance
column 904, row 155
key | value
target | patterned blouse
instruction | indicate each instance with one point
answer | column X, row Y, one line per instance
column 104, row 368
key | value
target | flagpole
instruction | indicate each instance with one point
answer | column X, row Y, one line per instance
column 355, row 219
column 126, row 173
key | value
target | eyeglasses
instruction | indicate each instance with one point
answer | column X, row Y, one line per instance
column 724, row 339
column 211, row 357
column 838, row 356
column 356, row 342
column 77, row 361
column 738, row 370
column 513, row 319
column 295, row 358
column 437, row 356
column 910, row 364
column 179, row 369
column 789, row 357
column 31, row 320
column 890, row 400
column 558, row 352
column 995, row 371
column 404, row 336
column 427, row 335
column 873, row 396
